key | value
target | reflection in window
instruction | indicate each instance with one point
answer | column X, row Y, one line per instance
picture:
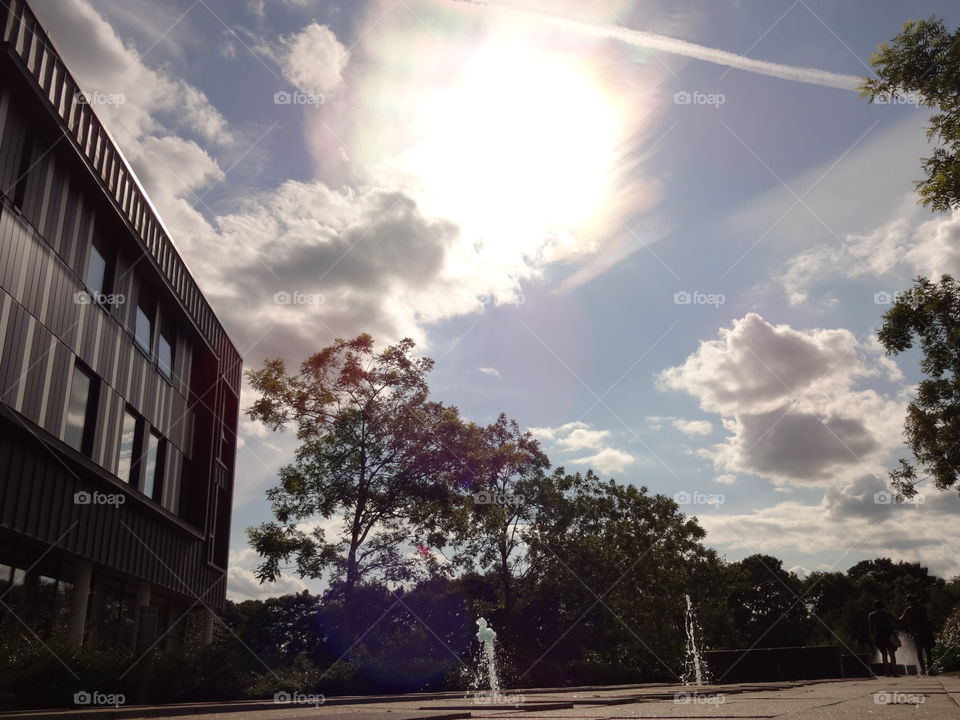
column 96, row 276
column 143, row 330
column 152, row 466
column 128, row 442
column 165, row 356
column 81, row 411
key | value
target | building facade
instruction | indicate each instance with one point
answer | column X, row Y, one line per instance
column 118, row 385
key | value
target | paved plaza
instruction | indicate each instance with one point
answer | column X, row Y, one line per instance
column 917, row 698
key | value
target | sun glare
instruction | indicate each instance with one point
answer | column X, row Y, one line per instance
column 521, row 145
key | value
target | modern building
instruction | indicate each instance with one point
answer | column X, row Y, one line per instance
column 118, row 385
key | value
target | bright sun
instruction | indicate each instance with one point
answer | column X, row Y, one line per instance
column 521, row 145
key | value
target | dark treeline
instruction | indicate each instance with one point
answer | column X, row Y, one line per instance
column 560, row 632
column 442, row 520
column 418, row 521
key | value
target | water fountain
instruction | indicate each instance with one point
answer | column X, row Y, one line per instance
column 487, row 637
column 695, row 671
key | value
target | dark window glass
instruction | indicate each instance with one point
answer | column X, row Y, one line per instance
column 126, row 468
column 153, row 465
column 165, row 355
column 81, row 411
column 222, row 454
column 23, row 172
column 144, row 329
column 96, row 276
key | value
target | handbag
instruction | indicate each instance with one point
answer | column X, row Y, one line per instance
column 894, row 640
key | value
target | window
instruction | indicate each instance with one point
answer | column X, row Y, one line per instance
column 165, row 354
column 153, row 467
column 96, row 277
column 81, row 411
column 128, row 466
column 23, row 171
column 143, row 329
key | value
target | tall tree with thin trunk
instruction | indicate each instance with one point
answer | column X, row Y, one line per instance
column 503, row 493
column 373, row 459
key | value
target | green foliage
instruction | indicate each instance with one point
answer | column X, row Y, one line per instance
column 929, row 313
column 766, row 603
column 373, row 448
column 49, row 673
column 502, row 490
column 947, row 651
column 924, row 60
column 612, row 566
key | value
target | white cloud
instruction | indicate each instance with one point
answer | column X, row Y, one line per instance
column 378, row 262
column 242, row 584
column 687, row 427
column 314, row 60
column 930, row 248
column 726, row 479
column 572, row 436
column 847, row 525
column 693, row 427
column 607, row 461
column 149, row 125
column 789, row 402
column 755, row 366
column 578, row 435
column 492, row 372
column 361, row 258
column 154, row 99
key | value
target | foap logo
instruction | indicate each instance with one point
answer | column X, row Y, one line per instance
column 885, row 697
column 698, row 498
column 909, row 98
column 492, row 498
column 684, row 297
column 489, row 698
column 298, row 698
column 88, row 297
column 883, row 497
column 99, row 98
column 98, row 498
column 282, row 97
column 699, row 98
column 94, row 697
column 882, row 297
column 285, row 297
column 693, row 698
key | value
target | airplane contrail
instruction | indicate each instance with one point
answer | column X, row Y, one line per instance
column 654, row 41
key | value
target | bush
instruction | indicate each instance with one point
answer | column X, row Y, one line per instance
column 35, row 675
column 946, row 654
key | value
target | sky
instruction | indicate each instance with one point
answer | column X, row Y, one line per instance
column 661, row 235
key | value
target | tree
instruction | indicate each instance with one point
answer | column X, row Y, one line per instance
column 929, row 312
column 373, row 454
column 766, row 603
column 503, row 490
column 924, row 60
column 838, row 610
column 612, row 565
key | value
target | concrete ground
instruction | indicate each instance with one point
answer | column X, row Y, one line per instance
column 918, row 698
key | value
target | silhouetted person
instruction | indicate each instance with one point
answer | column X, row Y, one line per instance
column 882, row 629
column 916, row 622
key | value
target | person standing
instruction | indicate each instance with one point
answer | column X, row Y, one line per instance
column 916, row 622
column 882, row 626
